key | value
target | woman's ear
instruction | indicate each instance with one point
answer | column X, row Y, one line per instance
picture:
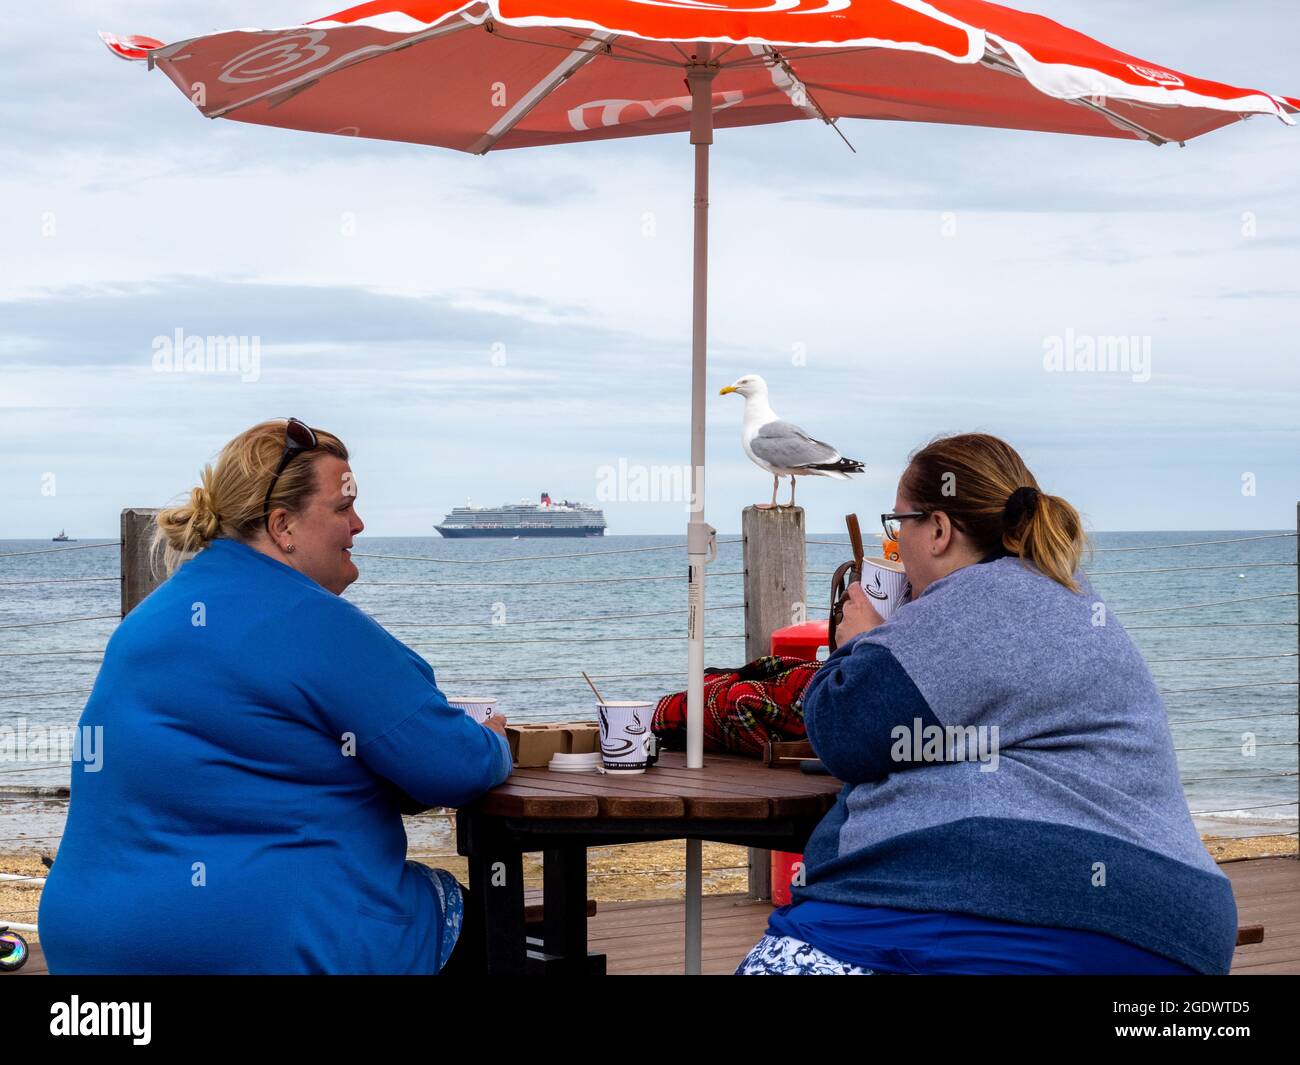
column 940, row 533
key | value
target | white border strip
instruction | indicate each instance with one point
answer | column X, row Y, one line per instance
column 400, row 22
column 787, row 84
column 1065, row 81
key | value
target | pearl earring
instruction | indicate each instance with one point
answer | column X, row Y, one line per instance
column 289, row 550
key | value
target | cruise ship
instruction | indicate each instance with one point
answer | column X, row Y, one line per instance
column 543, row 518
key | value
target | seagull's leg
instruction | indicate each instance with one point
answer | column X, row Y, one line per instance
column 792, row 489
column 768, row 506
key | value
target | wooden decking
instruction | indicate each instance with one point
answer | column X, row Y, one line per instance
column 646, row 937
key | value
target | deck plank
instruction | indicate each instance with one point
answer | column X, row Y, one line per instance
column 646, row 937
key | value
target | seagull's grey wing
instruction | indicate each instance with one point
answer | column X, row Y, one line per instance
column 785, row 445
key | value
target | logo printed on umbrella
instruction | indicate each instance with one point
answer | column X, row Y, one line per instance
column 763, row 7
column 275, row 57
column 615, row 112
column 1160, row 77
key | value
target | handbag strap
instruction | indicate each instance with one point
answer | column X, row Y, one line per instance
column 845, row 574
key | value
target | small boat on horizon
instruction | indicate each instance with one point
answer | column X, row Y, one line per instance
column 63, row 538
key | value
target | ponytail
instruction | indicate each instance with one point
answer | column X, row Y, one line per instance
column 1045, row 530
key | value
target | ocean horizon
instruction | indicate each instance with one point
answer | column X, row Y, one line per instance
column 519, row 619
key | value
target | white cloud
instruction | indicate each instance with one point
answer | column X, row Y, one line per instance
column 307, row 241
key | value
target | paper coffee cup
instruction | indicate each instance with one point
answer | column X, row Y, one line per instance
column 479, row 709
column 626, row 742
column 885, row 584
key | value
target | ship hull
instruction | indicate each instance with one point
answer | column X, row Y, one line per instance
column 453, row 533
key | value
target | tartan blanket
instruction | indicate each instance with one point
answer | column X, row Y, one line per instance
column 743, row 708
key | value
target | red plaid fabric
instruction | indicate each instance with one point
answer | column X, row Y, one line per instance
column 743, row 708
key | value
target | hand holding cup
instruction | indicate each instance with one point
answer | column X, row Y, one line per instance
column 859, row 616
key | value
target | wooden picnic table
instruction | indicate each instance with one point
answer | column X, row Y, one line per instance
column 730, row 800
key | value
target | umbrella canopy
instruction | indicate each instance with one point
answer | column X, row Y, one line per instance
column 494, row 74
column 519, row 73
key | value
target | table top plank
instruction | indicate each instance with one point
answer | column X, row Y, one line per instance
column 520, row 801
column 701, row 798
column 728, row 787
column 787, row 798
column 751, row 772
column 627, row 801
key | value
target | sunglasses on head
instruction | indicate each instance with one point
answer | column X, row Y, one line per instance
column 298, row 437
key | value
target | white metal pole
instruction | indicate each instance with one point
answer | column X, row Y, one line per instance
column 699, row 536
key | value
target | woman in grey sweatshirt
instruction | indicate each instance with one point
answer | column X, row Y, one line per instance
column 1012, row 801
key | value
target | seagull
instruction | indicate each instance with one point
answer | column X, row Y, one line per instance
column 781, row 447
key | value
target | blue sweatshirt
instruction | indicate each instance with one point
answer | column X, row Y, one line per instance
column 1007, row 755
column 259, row 734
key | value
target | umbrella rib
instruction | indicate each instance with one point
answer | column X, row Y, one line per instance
column 784, row 66
column 1008, row 67
column 645, row 57
column 297, row 85
column 1119, row 119
column 577, row 58
column 756, row 60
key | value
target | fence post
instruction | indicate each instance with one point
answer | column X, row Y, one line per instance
column 138, row 575
column 1297, row 588
column 775, row 567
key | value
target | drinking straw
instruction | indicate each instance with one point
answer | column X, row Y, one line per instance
column 599, row 698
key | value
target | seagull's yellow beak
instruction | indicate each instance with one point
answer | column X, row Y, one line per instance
column 726, row 390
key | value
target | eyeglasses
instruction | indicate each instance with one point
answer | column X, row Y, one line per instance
column 298, row 437
column 890, row 522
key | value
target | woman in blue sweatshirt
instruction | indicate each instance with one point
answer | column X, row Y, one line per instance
column 261, row 739
column 1012, row 801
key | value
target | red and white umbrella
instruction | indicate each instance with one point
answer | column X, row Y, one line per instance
column 493, row 74
column 519, row 73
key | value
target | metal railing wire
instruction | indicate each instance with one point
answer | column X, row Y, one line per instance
column 40, row 793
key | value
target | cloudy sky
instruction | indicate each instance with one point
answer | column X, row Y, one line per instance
column 490, row 327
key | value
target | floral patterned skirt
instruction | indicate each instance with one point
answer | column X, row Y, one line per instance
column 787, row 956
column 452, row 904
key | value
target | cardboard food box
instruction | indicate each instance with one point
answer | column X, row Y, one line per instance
column 584, row 737
column 534, row 745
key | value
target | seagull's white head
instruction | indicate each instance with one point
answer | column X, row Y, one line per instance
column 749, row 385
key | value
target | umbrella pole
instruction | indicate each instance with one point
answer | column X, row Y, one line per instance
column 699, row 536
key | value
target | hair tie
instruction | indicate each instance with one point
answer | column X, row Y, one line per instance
column 205, row 517
column 1020, row 504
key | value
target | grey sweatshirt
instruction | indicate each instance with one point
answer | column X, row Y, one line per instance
column 1006, row 754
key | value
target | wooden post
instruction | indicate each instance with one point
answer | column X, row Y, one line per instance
column 138, row 575
column 775, row 567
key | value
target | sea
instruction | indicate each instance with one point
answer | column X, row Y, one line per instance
column 1214, row 613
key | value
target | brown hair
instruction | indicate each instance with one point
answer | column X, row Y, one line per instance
column 972, row 477
column 228, row 500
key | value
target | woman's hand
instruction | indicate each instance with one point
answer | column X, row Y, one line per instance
column 497, row 723
column 859, row 616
